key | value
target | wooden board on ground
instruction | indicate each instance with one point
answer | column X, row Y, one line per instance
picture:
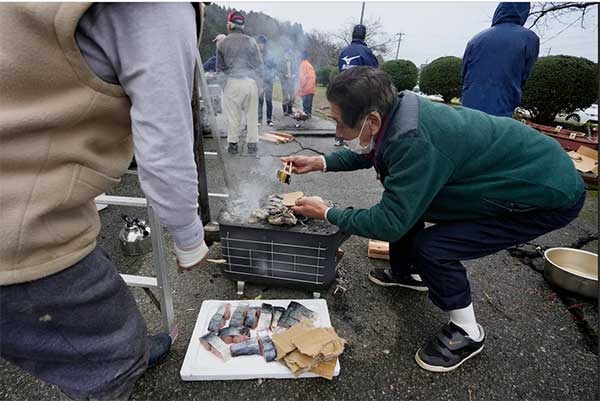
column 379, row 250
column 269, row 138
column 288, row 136
column 276, row 137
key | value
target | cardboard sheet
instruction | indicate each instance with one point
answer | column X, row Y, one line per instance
column 585, row 159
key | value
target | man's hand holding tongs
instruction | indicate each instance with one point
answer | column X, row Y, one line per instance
column 304, row 164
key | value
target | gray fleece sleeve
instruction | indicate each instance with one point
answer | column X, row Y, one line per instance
column 152, row 48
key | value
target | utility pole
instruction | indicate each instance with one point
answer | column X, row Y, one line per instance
column 399, row 40
column 362, row 13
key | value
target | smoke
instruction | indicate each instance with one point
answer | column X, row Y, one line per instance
column 254, row 186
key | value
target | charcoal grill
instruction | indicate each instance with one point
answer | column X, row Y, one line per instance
column 301, row 256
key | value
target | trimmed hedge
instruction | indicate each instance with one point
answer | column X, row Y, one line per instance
column 442, row 76
column 559, row 84
column 323, row 75
column 403, row 73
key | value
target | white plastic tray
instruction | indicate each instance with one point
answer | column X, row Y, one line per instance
column 200, row 364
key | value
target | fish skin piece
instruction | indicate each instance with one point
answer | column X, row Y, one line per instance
column 266, row 346
column 248, row 347
column 214, row 344
column 277, row 313
column 252, row 317
column 266, row 315
column 217, row 322
column 295, row 313
column 239, row 314
column 234, row 334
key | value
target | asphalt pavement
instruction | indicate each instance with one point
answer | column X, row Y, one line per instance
column 534, row 349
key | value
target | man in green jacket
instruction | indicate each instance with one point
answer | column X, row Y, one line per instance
column 487, row 183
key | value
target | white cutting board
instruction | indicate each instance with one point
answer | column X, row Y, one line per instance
column 200, row 364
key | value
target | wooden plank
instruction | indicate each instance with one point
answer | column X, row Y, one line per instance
column 286, row 135
column 279, row 138
column 378, row 256
column 379, row 250
column 269, row 138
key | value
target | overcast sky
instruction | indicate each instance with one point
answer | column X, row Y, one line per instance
column 433, row 29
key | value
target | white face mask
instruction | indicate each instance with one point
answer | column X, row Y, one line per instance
column 355, row 145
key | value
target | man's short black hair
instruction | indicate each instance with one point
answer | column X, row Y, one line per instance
column 360, row 90
column 359, row 32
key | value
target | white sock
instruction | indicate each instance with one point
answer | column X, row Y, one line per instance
column 465, row 319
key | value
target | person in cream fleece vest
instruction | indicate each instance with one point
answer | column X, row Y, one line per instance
column 81, row 86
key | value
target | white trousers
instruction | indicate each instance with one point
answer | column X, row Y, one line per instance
column 241, row 96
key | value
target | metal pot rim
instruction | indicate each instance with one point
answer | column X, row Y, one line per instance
column 574, row 273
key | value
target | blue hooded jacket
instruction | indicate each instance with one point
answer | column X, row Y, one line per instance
column 356, row 54
column 498, row 61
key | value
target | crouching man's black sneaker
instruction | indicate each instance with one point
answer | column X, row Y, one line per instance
column 449, row 349
column 385, row 278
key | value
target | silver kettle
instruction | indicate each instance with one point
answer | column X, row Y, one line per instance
column 135, row 237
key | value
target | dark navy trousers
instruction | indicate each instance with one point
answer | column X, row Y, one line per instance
column 79, row 329
column 266, row 96
column 307, row 102
column 436, row 252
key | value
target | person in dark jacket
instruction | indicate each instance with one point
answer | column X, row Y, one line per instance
column 287, row 77
column 356, row 54
column 498, row 61
column 270, row 71
column 488, row 183
column 210, row 65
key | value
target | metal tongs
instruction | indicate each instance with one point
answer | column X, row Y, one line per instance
column 285, row 175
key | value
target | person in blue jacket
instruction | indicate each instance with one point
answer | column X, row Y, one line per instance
column 498, row 61
column 211, row 64
column 357, row 53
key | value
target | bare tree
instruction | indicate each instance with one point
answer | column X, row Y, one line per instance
column 378, row 40
column 565, row 13
column 322, row 50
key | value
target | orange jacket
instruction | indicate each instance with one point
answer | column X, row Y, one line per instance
column 307, row 79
